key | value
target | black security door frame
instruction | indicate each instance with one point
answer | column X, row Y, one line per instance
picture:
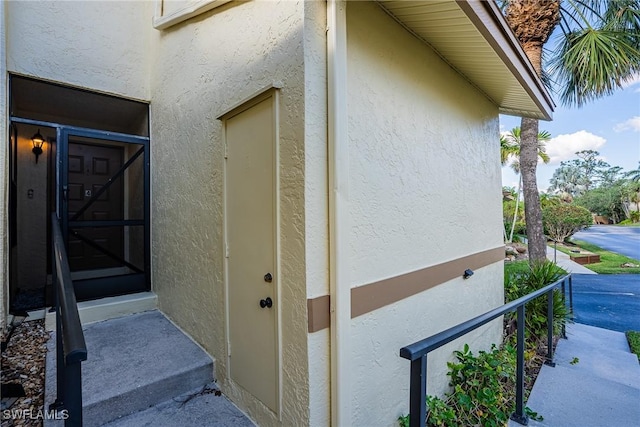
column 118, row 284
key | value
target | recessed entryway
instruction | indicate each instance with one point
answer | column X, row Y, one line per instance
column 92, row 171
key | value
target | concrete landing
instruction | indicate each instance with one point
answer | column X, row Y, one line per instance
column 134, row 362
column 596, row 382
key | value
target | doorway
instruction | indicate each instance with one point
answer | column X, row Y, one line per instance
column 251, row 239
column 93, row 173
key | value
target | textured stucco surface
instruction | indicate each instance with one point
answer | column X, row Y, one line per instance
column 316, row 203
column 381, row 377
column 201, row 68
column 424, row 189
column 423, row 155
column 102, row 46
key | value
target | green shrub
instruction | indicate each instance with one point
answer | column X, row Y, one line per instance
column 520, row 283
column 563, row 221
column 483, row 391
column 483, row 386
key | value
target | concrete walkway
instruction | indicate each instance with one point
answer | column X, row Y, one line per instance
column 596, row 380
column 564, row 261
column 595, row 383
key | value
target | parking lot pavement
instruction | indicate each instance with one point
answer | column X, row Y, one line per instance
column 609, row 301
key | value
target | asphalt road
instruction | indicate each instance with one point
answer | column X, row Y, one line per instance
column 609, row 301
column 622, row 240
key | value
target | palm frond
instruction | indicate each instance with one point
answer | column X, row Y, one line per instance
column 595, row 62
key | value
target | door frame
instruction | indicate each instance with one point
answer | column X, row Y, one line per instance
column 63, row 132
column 262, row 95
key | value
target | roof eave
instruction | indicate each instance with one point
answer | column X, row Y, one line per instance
column 488, row 19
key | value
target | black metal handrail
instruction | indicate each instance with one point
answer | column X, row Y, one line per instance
column 418, row 351
column 71, row 348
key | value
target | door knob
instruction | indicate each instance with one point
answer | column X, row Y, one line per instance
column 267, row 302
column 268, row 277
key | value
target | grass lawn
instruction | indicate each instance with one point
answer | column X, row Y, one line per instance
column 514, row 267
column 609, row 261
column 634, row 342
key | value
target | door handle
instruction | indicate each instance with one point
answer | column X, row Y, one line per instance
column 267, row 302
column 268, row 278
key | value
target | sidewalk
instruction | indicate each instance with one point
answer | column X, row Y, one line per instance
column 563, row 260
column 595, row 383
column 596, row 380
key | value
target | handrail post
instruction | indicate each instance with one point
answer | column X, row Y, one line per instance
column 418, row 392
column 564, row 304
column 418, row 351
column 519, row 416
column 59, row 402
column 73, row 393
column 549, row 358
column 571, row 294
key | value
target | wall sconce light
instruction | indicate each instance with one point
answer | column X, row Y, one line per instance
column 467, row 273
column 38, row 141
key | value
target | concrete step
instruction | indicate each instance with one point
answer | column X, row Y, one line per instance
column 613, row 365
column 597, row 337
column 134, row 362
column 199, row 407
column 601, row 389
column 568, row 398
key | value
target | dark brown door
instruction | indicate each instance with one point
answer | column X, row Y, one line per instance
column 90, row 168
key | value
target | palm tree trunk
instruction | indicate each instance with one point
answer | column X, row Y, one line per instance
column 515, row 211
column 533, row 22
column 536, row 240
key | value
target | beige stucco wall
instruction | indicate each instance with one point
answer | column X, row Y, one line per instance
column 316, row 203
column 99, row 45
column 202, row 68
column 424, row 189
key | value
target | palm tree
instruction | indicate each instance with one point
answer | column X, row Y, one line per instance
column 597, row 49
column 510, row 143
column 633, row 175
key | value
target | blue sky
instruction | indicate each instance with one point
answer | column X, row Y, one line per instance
column 610, row 126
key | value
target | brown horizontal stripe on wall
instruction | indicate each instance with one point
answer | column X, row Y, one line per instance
column 319, row 313
column 376, row 295
column 370, row 297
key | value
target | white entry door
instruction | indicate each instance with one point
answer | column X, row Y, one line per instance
column 251, row 250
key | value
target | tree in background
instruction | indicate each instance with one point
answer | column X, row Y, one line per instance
column 510, row 152
column 634, row 175
column 597, row 49
column 594, row 184
column 582, row 174
column 564, row 220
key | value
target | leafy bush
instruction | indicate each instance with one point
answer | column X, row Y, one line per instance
column 483, row 391
column 562, row 221
column 483, row 386
column 518, row 284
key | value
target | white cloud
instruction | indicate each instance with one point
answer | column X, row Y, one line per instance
column 632, row 124
column 564, row 147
